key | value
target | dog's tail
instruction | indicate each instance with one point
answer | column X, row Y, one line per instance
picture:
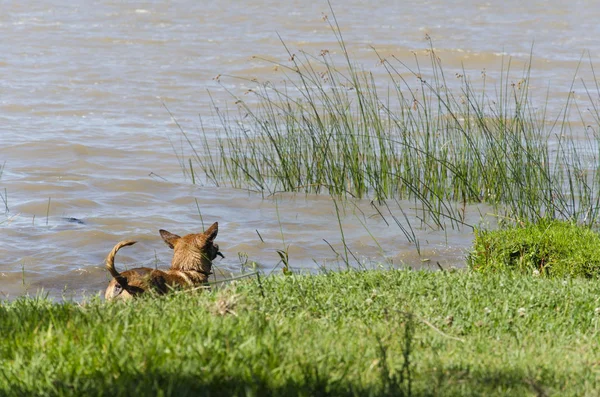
column 110, row 262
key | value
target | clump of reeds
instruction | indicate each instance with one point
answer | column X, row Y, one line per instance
column 333, row 129
column 546, row 248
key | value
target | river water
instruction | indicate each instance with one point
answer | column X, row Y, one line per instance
column 90, row 152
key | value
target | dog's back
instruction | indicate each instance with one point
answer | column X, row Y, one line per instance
column 141, row 279
column 128, row 283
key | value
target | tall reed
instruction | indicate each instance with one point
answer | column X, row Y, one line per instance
column 334, row 129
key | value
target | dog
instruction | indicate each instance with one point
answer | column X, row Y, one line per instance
column 191, row 265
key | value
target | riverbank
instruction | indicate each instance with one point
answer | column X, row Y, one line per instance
column 389, row 332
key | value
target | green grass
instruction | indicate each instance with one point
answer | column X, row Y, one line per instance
column 550, row 248
column 349, row 333
column 439, row 138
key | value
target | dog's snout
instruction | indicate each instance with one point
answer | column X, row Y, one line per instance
column 215, row 252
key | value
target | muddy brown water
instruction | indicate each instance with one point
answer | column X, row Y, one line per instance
column 88, row 146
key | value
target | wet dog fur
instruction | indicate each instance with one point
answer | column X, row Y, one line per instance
column 191, row 265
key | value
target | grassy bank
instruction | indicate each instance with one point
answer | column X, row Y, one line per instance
column 547, row 248
column 350, row 333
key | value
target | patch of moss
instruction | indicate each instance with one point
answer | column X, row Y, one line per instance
column 550, row 247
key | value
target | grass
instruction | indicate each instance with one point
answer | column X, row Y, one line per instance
column 343, row 333
column 552, row 248
column 333, row 127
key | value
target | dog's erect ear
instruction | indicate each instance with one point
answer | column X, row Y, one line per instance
column 169, row 238
column 211, row 232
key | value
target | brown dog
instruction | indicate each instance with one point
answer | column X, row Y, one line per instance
column 191, row 265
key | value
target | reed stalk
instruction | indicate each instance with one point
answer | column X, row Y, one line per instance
column 336, row 130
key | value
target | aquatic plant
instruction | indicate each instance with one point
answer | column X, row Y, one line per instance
column 332, row 128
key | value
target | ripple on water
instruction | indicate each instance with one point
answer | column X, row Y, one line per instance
column 84, row 124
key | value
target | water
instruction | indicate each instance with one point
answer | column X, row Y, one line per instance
column 84, row 132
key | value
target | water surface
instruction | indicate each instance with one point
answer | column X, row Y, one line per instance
column 84, row 132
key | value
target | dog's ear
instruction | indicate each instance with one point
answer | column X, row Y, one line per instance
column 169, row 238
column 211, row 232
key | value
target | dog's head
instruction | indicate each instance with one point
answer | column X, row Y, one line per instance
column 193, row 251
